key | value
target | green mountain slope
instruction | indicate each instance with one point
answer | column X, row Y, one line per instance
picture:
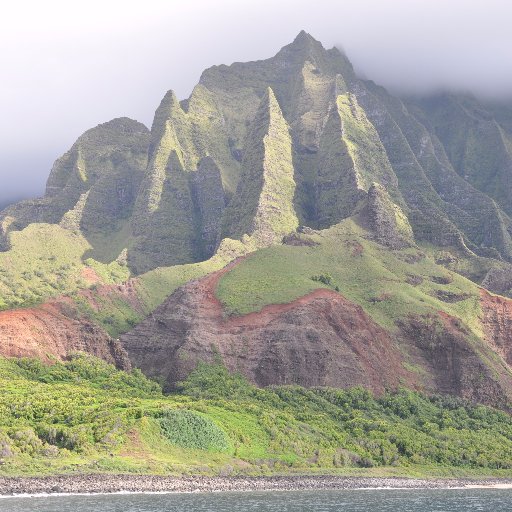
column 127, row 190
column 307, row 178
column 289, row 224
column 263, row 204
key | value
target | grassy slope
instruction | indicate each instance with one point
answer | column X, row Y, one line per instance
column 46, row 260
column 85, row 416
column 116, row 313
column 157, row 284
column 364, row 272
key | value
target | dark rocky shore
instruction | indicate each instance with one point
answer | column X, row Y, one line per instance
column 138, row 483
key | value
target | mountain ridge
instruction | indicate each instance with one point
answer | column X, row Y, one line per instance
column 399, row 206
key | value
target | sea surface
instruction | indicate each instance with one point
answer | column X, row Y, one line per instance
column 453, row 500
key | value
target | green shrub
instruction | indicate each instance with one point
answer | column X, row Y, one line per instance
column 189, row 429
column 86, row 409
column 323, row 278
column 26, row 440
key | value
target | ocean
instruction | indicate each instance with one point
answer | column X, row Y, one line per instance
column 373, row 500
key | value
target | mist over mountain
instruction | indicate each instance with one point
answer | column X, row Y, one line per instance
column 66, row 73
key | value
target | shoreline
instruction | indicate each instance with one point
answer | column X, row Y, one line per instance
column 110, row 484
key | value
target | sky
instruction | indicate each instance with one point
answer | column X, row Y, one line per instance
column 68, row 66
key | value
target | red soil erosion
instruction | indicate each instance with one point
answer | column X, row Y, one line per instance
column 497, row 323
column 321, row 339
column 55, row 329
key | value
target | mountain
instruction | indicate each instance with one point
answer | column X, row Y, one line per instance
column 290, row 218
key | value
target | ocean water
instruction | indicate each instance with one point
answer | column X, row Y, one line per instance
column 384, row 500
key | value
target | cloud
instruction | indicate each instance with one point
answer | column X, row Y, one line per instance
column 67, row 68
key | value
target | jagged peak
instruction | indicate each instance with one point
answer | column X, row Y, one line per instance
column 263, row 206
column 168, row 104
column 305, row 38
column 170, row 99
column 269, row 107
column 269, row 101
column 268, row 114
column 200, row 99
column 305, row 47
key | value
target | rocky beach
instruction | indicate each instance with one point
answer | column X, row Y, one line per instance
column 105, row 484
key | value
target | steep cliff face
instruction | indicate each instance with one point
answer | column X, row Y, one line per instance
column 497, row 323
column 351, row 157
column 167, row 235
column 190, row 164
column 321, row 339
column 313, row 146
column 91, row 189
column 454, row 363
column 211, row 202
column 262, row 207
column 499, row 280
column 476, row 143
column 386, row 220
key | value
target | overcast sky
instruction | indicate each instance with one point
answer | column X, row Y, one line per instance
column 68, row 66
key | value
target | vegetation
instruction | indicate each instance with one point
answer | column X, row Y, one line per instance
column 111, row 213
column 189, row 429
column 263, row 205
column 46, row 260
column 83, row 415
column 387, row 284
column 325, row 279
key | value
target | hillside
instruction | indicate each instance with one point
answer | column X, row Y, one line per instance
column 289, row 217
column 84, row 416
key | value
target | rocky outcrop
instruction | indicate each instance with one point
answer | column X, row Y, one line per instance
column 443, row 207
column 499, row 280
column 166, row 219
column 497, row 323
column 321, row 339
column 387, row 220
column 453, row 360
column 337, row 188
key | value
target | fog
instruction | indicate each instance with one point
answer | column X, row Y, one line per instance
column 68, row 66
